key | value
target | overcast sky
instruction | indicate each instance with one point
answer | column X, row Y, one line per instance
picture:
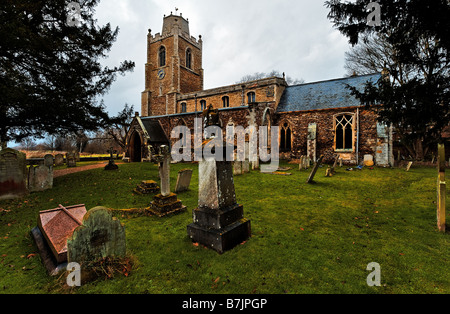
column 239, row 37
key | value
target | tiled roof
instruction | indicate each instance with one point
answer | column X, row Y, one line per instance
column 324, row 95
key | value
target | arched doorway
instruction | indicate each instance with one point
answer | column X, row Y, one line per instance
column 136, row 148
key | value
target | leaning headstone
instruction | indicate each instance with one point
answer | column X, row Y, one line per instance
column 165, row 203
column 40, row 178
column 314, row 170
column 183, row 180
column 101, row 235
column 59, row 160
column 218, row 221
column 13, row 174
column 441, row 188
column 409, row 165
column 71, row 160
column 333, row 168
column 48, row 160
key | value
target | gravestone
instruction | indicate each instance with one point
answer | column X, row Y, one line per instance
column 300, row 164
column 59, row 160
column 40, row 178
column 314, row 170
column 409, row 165
column 333, row 168
column 13, row 174
column 237, row 167
column 218, row 221
column 111, row 165
column 165, row 203
column 368, row 160
column 183, row 180
column 48, row 160
column 441, row 188
column 99, row 236
column 312, row 141
column 56, row 225
column 71, row 160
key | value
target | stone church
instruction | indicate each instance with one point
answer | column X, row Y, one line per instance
column 320, row 118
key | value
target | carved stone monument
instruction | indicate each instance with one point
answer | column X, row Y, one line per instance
column 218, row 221
column 166, row 202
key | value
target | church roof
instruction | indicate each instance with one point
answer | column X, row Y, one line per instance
column 324, row 95
column 154, row 130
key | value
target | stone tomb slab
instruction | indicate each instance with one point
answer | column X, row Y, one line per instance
column 57, row 225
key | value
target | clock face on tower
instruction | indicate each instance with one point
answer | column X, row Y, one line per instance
column 161, row 74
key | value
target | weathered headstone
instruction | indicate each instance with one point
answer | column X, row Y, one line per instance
column 441, row 188
column 101, row 235
column 48, row 160
column 13, row 174
column 218, row 221
column 40, row 178
column 183, row 180
column 312, row 141
column 333, row 168
column 71, row 160
column 166, row 202
column 314, row 170
column 59, row 160
column 237, row 167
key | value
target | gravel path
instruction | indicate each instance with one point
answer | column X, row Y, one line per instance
column 63, row 172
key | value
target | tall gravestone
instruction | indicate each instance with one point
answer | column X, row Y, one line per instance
column 314, row 170
column 13, row 174
column 218, row 221
column 441, row 188
column 166, row 202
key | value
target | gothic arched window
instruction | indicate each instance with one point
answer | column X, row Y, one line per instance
column 285, row 138
column 188, row 58
column 344, row 132
column 162, row 56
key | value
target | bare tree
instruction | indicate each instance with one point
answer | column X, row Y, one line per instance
column 273, row 73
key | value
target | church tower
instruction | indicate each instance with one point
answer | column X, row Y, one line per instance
column 174, row 66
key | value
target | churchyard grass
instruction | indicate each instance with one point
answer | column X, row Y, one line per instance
column 306, row 238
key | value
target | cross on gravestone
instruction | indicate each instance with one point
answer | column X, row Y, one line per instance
column 314, row 170
column 166, row 202
column 111, row 165
column 441, row 188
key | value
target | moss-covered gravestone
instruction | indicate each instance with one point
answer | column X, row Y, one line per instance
column 101, row 235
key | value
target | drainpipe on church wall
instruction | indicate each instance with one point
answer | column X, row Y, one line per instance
column 357, row 136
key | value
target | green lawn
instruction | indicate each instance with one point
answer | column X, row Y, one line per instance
column 316, row 238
